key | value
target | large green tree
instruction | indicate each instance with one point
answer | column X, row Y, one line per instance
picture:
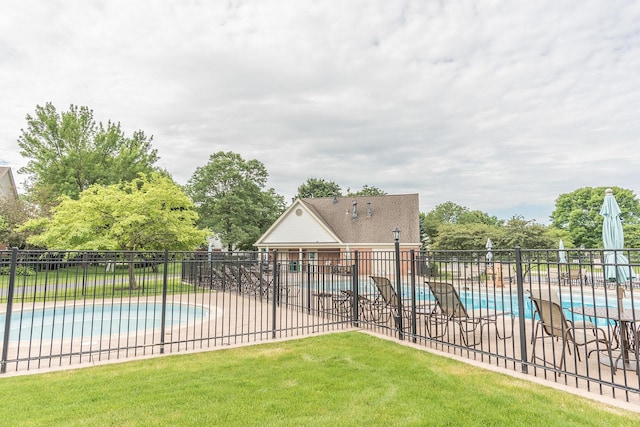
column 68, row 152
column 517, row 231
column 366, row 191
column 464, row 236
column 526, row 234
column 14, row 213
column 148, row 213
column 578, row 213
column 452, row 213
column 318, row 187
column 230, row 196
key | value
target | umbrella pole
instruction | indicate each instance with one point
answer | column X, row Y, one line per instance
column 622, row 326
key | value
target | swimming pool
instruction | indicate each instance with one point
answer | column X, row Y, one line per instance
column 96, row 320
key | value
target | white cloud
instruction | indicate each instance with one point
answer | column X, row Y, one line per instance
column 494, row 105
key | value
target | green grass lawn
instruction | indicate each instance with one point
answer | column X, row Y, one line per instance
column 346, row 379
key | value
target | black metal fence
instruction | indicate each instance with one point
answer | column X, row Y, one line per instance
column 531, row 311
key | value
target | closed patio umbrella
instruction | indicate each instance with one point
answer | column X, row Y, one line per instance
column 616, row 265
column 562, row 254
column 488, row 246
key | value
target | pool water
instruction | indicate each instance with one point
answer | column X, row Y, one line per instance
column 96, row 320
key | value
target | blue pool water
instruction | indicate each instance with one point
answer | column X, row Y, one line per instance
column 96, row 320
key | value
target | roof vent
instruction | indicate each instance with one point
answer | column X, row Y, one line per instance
column 368, row 209
column 355, row 210
column 335, row 199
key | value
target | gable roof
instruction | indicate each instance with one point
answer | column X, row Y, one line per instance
column 299, row 223
column 387, row 212
column 374, row 219
column 7, row 184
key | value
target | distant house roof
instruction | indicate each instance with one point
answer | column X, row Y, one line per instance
column 352, row 220
column 8, row 189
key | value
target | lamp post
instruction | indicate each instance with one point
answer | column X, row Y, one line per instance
column 396, row 238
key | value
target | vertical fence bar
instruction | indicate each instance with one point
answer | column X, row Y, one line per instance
column 309, row 287
column 398, row 291
column 356, row 298
column 85, row 266
column 414, row 326
column 276, row 290
column 165, row 284
column 521, row 323
column 7, row 321
column 355, row 271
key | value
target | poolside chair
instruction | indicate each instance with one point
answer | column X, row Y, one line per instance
column 211, row 277
column 551, row 322
column 389, row 302
column 470, row 322
column 368, row 309
column 254, row 282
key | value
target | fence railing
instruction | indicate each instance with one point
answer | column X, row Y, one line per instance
column 523, row 310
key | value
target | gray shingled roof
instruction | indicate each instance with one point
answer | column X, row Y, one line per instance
column 387, row 212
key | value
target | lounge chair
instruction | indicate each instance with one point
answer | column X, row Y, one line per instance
column 368, row 309
column 211, row 277
column 389, row 303
column 470, row 322
column 552, row 323
column 254, row 282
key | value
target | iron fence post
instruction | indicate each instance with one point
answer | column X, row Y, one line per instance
column 521, row 322
column 7, row 320
column 356, row 297
column 399, row 290
column 414, row 326
column 276, row 286
column 309, row 288
column 85, row 265
column 165, row 283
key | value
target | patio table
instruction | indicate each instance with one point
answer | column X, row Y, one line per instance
column 625, row 328
column 330, row 301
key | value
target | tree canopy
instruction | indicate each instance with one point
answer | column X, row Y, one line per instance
column 578, row 213
column 366, row 191
column 452, row 213
column 318, row 187
column 515, row 232
column 148, row 213
column 526, row 234
column 14, row 213
column 68, row 152
column 230, row 196
column 463, row 236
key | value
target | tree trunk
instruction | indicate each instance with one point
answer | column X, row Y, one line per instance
column 132, row 272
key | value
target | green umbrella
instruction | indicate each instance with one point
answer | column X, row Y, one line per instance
column 616, row 264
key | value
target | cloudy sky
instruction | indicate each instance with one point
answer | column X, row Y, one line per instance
column 499, row 106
